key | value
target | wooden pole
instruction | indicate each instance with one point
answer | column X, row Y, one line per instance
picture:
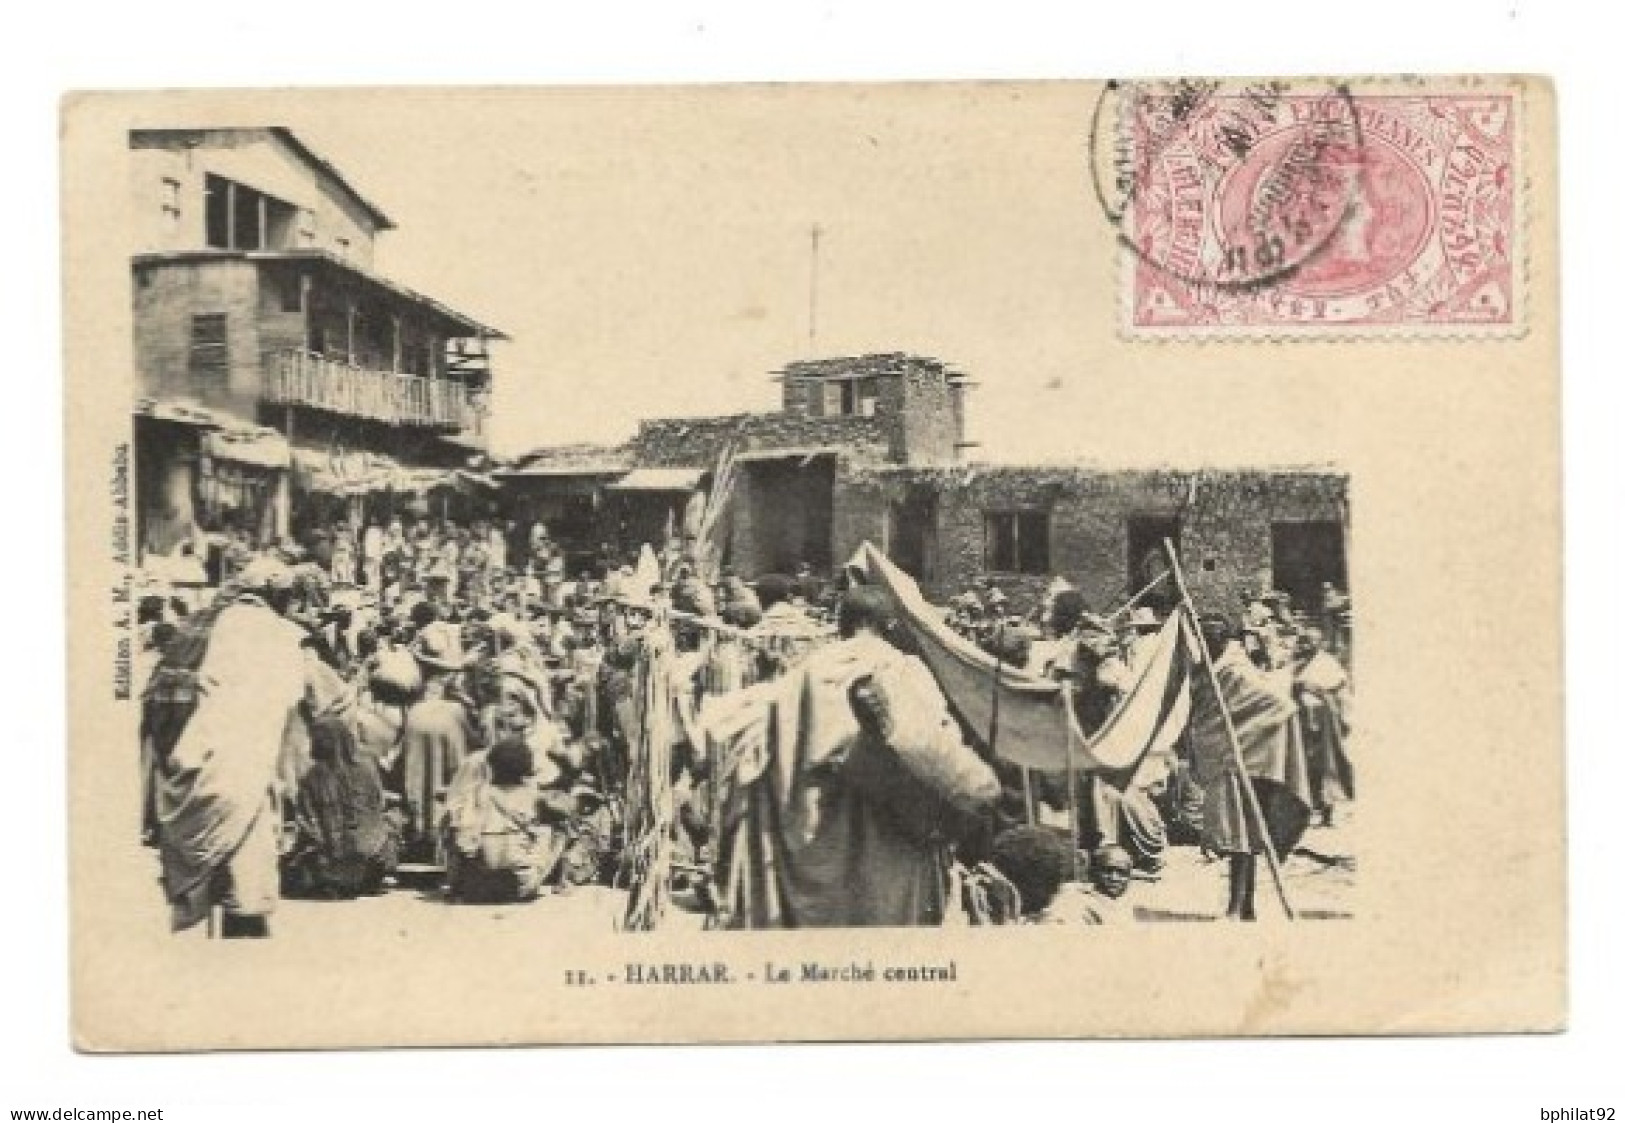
column 1072, row 778
column 1243, row 780
column 812, row 295
column 998, row 670
column 1128, row 606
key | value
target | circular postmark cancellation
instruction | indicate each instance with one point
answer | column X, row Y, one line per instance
column 1292, row 204
column 1233, row 187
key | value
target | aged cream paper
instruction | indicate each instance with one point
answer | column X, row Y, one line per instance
column 1393, row 316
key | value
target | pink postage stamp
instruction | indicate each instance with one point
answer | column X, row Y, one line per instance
column 1282, row 208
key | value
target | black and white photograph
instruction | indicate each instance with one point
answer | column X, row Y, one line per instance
column 717, row 563
column 821, row 664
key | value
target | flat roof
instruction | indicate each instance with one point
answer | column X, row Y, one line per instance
column 760, row 454
column 658, row 479
column 559, row 471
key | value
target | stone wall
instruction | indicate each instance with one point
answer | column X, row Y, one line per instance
column 1225, row 522
column 695, row 442
column 931, row 426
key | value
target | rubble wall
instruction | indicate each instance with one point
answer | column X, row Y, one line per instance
column 1225, row 523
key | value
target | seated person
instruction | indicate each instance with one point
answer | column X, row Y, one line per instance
column 1101, row 901
column 1035, row 862
column 1040, row 865
column 345, row 843
column 1127, row 817
column 505, row 840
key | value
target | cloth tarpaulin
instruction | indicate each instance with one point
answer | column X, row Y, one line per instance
column 1021, row 715
column 257, row 448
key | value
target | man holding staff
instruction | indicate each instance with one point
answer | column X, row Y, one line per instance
column 1253, row 773
column 1247, row 754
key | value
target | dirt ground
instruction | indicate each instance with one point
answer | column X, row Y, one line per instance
column 1319, row 877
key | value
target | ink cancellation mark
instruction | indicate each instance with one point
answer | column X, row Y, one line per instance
column 1281, row 208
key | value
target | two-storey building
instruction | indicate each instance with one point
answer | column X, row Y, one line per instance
column 276, row 370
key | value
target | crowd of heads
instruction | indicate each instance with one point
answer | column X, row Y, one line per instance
column 527, row 636
column 535, row 644
column 1275, row 633
column 984, row 615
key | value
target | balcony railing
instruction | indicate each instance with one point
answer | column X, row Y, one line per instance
column 306, row 379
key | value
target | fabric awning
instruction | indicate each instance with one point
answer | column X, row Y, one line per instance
column 343, row 473
column 658, row 479
column 258, row 448
column 180, row 411
column 470, row 480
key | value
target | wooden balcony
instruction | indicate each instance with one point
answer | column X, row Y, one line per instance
column 302, row 378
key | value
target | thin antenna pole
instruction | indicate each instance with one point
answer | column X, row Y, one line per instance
column 812, row 294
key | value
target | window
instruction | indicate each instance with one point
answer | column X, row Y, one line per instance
column 217, row 212
column 248, row 220
column 1305, row 557
column 287, row 284
column 307, row 227
column 170, row 200
column 207, row 359
column 1016, row 542
column 841, row 397
column 236, row 217
column 341, row 246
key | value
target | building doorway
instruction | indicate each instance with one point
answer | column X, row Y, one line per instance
column 790, row 511
column 1304, row 556
column 911, row 537
column 1147, row 560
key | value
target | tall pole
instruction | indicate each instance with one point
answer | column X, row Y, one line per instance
column 1129, row 605
column 1072, row 731
column 812, row 294
column 993, row 680
column 1255, row 809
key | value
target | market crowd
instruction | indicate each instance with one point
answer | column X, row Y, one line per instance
column 465, row 706
column 1283, row 665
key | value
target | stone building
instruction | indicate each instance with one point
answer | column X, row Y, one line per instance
column 837, row 414
column 272, row 360
column 872, row 448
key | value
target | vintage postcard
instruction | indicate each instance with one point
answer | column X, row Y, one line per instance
column 751, row 563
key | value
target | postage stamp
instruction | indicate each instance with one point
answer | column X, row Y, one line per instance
column 1292, row 209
